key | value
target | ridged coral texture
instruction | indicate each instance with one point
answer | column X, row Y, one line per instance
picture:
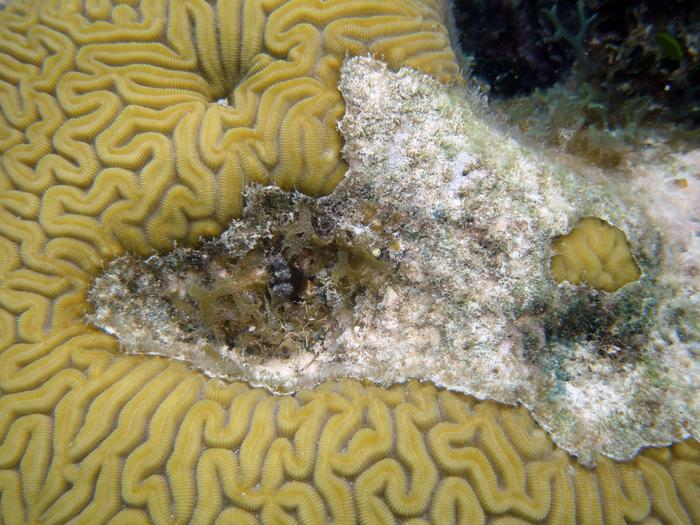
column 114, row 137
column 594, row 253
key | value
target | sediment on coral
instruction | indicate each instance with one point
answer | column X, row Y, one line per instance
column 482, row 211
column 448, row 278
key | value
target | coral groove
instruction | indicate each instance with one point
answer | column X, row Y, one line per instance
column 112, row 141
column 595, row 253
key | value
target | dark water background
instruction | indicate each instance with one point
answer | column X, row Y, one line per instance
column 617, row 53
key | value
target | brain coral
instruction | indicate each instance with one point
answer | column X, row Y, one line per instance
column 595, row 253
column 112, row 140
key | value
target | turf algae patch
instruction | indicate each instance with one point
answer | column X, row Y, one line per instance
column 256, row 303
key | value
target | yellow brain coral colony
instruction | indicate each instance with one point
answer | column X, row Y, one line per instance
column 594, row 253
column 112, row 140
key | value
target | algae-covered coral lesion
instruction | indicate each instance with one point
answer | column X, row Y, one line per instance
column 255, row 303
column 112, row 142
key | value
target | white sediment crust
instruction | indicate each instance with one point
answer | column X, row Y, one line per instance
column 470, row 304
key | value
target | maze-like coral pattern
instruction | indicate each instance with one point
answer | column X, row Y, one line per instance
column 595, row 253
column 111, row 140
column 148, row 441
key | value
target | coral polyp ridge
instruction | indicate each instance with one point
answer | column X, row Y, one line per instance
column 595, row 253
column 129, row 127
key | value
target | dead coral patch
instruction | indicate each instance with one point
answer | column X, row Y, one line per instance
column 279, row 281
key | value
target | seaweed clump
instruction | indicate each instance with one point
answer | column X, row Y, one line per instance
column 276, row 299
column 595, row 78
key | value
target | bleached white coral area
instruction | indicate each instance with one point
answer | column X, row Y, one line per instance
column 603, row 372
column 460, row 217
